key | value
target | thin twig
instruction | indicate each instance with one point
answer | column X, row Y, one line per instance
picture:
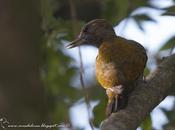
column 84, row 89
column 74, row 21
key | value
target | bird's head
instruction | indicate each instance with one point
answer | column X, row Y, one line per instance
column 94, row 33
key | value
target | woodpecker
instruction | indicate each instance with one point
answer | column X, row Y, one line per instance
column 120, row 62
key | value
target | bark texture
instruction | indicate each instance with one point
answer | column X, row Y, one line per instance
column 145, row 97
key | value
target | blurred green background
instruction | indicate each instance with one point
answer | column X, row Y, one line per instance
column 39, row 77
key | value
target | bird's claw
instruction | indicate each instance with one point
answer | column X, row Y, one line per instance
column 115, row 90
column 113, row 99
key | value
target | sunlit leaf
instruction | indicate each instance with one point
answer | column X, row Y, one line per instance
column 169, row 44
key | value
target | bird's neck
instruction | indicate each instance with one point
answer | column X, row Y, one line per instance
column 109, row 37
column 106, row 39
column 105, row 49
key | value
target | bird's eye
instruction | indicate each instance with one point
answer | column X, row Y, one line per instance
column 85, row 29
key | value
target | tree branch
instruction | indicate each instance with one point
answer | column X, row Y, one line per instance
column 144, row 98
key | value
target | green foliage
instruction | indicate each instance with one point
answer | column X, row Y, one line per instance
column 169, row 114
column 169, row 44
column 171, row 118
column 99, row 113
column 58, row 72
column 115, row 10
column 147, row 123
column 169, row 11
column 140, row 18
column 146, row 71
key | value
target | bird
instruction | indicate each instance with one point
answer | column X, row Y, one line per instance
column 120, row 62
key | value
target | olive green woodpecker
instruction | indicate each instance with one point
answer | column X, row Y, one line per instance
column 120, row 62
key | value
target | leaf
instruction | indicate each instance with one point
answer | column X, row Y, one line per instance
column 143, row 17
column 169, row 44
column 99, row 113
column 169, row 11
column 147, row 123
column 170, row 114
column 115, row 10
column 139, row 3
column 140, row 18
column 140, row 26
column 146, row 71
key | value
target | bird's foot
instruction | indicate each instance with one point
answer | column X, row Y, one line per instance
column 109, row 107
column 114, row 90
column 112, row 99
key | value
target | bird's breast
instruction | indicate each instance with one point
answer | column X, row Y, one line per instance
column 106, row 73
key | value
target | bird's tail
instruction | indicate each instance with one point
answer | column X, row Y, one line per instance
column 119, row 102
column 115, row 104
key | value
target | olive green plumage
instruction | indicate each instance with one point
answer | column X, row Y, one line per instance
column 119, row 64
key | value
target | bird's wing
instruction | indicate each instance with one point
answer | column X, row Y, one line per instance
column 130, row 58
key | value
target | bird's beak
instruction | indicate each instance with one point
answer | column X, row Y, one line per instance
column 75, row 43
